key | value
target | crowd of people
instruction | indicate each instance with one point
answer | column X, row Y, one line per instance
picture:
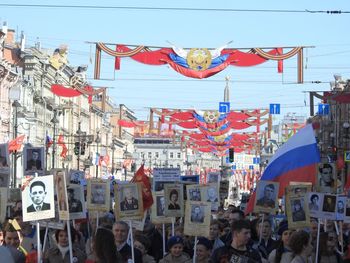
column 232, row 238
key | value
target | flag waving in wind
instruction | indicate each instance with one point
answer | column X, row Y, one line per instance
column 295, row 161
column 141, row 177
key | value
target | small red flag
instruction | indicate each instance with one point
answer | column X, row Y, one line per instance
column 16, row 144
column 141, row 177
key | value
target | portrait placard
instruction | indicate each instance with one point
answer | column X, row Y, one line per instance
column 38, row 198
column 329, row 206
column 3, row 203
column 347, row 210
column 212, row 195
column 61, row 192
column 196, row 192
column 77, row 177
column 174, row 201
column 266, row 200
column 340, row 211
column 213, row 177
column 139, row 224
column 33, row 161
column 326, row 178
column 315, row 201
column 297, row 211
column 76, row 201
column 98, row 195
column 158, row 209
column 197, row 218
column 4, row 159
column 4, row 179
column 298, row 188
column 164, row 175
column 128, row 201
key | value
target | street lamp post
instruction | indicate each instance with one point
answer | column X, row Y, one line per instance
column 113, row 149
column 16, row 105
column 97, row 140
column 54, row 121
column 78, row 144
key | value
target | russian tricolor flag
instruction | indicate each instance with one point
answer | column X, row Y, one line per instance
column 295, row 161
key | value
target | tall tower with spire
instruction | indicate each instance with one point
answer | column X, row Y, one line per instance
column 227, row 90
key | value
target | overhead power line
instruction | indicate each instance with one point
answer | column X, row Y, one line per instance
column 175, row 8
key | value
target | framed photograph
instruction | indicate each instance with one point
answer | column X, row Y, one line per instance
column 158, row 209
column 297, row 211
column 224, row 189
column 213, row 178
column 4, row 157
column 212, row 195
column 61, row 194
column 315, row 201
column 3, row 203
column 77, row 177
column 329, row 206
column 98, row 195
column 14, row 195
column 76, row 201
column 33, row 160
column 326, row 178
column 298, row 188
column 266, row 200
column 128, row 201
column 174, row 201
column 347, row 210
column 340, row 210
column 4, row 179
column 195, row 192
column 38, row 198
column 197, row 218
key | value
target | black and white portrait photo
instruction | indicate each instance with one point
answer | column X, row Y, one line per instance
column 194, row 194
column 33, row 160
column 197, row 214
column 76, row 201
column 329, row 203
column 298, row 212
column 98, row 195
column 326, row 178
column 61, row 194
column 314, row 204
column 38, row 198
column 341, row 205
column 160, row 202
column 266, row 196
column 128, row 201
column 213, row 178
column 174, row 200
column 4, row 157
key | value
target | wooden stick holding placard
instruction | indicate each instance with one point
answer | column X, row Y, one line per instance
column 318, row 238
column 70, row 241
column 45, row 237
column 163, row 229
column 195, row 249
column 132, row 242
column 173, row 226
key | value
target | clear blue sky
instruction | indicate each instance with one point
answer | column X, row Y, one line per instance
column 160, row 86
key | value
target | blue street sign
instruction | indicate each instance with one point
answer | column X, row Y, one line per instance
column 224, row 107
column 275, row 108
column 251, row 167
column 228, row 159
column 323, row 109
column 256, row 160
column 234, row 167
column 347, row 156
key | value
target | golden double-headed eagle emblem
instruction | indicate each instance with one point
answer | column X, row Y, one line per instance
column 199, row 59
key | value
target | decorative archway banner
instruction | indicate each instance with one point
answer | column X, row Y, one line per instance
column 198, row 62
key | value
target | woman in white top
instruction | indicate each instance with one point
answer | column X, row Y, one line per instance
column 283, row 253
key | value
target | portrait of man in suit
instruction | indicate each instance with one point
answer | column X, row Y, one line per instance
column 129, row 201
column 74, row 204
column 160, row 205
column 37, row 194
column 35, row 162
column 197, row 215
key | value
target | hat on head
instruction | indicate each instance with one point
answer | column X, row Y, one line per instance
column 205, row 242
column 283, row 226
column 174, row 240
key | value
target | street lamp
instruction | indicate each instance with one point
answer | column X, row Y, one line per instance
column 97, row 141
column 113, row 149
column 54, row 121
column 16, row 105
column 126, row 154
